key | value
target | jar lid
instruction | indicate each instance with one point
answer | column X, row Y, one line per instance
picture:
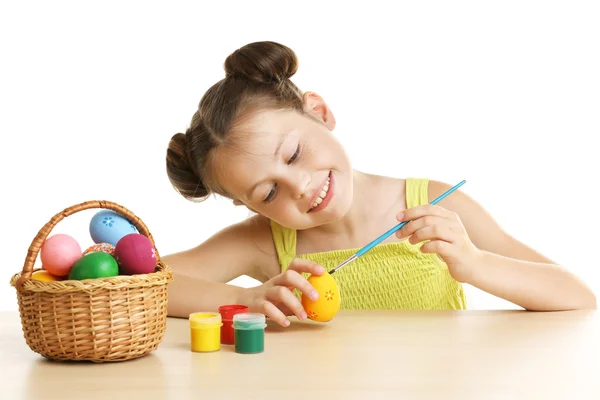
column 228, row 311
column 205, row 319
column 246, row 321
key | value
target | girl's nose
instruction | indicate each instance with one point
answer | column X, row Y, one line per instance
column 300, row 183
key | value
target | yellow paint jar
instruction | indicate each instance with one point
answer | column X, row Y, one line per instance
column 205, row 331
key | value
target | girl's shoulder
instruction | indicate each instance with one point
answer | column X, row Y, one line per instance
column 386, row 188
column 411, row 190
column 258, row 229
column 406, row 192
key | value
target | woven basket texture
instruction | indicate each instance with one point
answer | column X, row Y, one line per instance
column 98, row 320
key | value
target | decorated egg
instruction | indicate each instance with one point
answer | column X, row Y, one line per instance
column 328, row 304
column 104, row 247
column 94, row 265
column 108, row 226
column 135, row 254
column 42, row 275
column 59, row 253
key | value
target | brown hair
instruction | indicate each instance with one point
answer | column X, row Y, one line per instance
column 256, row 78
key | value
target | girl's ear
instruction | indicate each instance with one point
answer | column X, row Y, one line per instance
column 314, row 104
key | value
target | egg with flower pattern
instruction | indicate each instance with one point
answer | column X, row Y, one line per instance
column 328, row 304
column 108, row 226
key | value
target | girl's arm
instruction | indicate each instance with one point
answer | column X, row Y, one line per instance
column 509, row 269
column 201, row 273
column 532, row 285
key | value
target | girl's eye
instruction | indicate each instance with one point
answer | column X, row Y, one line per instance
column 295, row 156
column 273, row 191
column 271, row 194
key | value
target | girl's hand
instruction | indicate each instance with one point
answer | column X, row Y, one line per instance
column 276, row 299
column 446, row 237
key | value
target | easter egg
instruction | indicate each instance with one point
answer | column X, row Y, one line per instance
column 46, row 276
column 104, row 247
column 59, row 253
column 135, row 254
column 108, row 226
column 94, row 265
column 328, row 304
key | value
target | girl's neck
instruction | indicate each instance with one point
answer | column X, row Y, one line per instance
column 361, row 209
column 375, row 203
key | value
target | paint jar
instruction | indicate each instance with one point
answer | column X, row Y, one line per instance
column 249, row 332
column 205, row 331
column 227, row 312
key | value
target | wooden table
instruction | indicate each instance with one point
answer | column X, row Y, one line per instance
column 359, row 355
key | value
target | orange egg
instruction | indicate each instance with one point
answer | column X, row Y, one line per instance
column 328, row 304
column 43, row 275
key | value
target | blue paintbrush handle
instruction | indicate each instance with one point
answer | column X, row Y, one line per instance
column 391, row 231
column 380, row 239
column 401, row 224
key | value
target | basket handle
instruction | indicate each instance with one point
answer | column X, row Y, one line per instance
column 39, row 239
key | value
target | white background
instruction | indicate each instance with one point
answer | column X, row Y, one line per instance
column 502, row 94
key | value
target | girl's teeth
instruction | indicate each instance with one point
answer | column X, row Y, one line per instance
column 321, row 195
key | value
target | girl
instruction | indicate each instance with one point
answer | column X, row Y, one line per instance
column 261, row 142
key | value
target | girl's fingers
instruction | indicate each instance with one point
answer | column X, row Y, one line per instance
column 280, row 299
column 291, row 278
column 436, row 246
column 432, row 232
column 420, row 223
column 424, row 210
column 274, row 313
column 283, row 295
column 285, row 309
column 301, row 265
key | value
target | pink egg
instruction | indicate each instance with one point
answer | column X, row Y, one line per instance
column 59, row 253
column 135, row 254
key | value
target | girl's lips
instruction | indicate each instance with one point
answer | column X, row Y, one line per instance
column 328, row 196
column 318, row 191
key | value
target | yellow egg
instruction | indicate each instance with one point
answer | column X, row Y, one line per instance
column 328, row 304
column 43, row 275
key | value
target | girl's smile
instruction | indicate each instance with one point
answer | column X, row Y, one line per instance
column 287, row 167
column 323, row 195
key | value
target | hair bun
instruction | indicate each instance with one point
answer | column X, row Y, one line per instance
column 263, row 62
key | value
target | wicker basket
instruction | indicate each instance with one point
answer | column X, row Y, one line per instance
column 108, row 319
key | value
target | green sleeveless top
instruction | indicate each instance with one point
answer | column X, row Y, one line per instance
column 390, row 276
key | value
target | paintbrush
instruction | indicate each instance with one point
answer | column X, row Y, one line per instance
column 390, row 232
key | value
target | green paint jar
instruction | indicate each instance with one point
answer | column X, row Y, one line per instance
column 249, row 333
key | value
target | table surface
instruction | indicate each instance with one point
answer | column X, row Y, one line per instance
column 359, row 355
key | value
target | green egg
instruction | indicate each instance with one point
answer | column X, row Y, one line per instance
column 94, row 265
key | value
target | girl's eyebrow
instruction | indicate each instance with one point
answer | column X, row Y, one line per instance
column 278, row 148
column 250, row 192
column 282, row 140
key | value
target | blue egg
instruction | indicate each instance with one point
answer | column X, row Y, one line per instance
column 108, row 226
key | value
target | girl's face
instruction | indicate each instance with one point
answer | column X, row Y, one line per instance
column 288, row 167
